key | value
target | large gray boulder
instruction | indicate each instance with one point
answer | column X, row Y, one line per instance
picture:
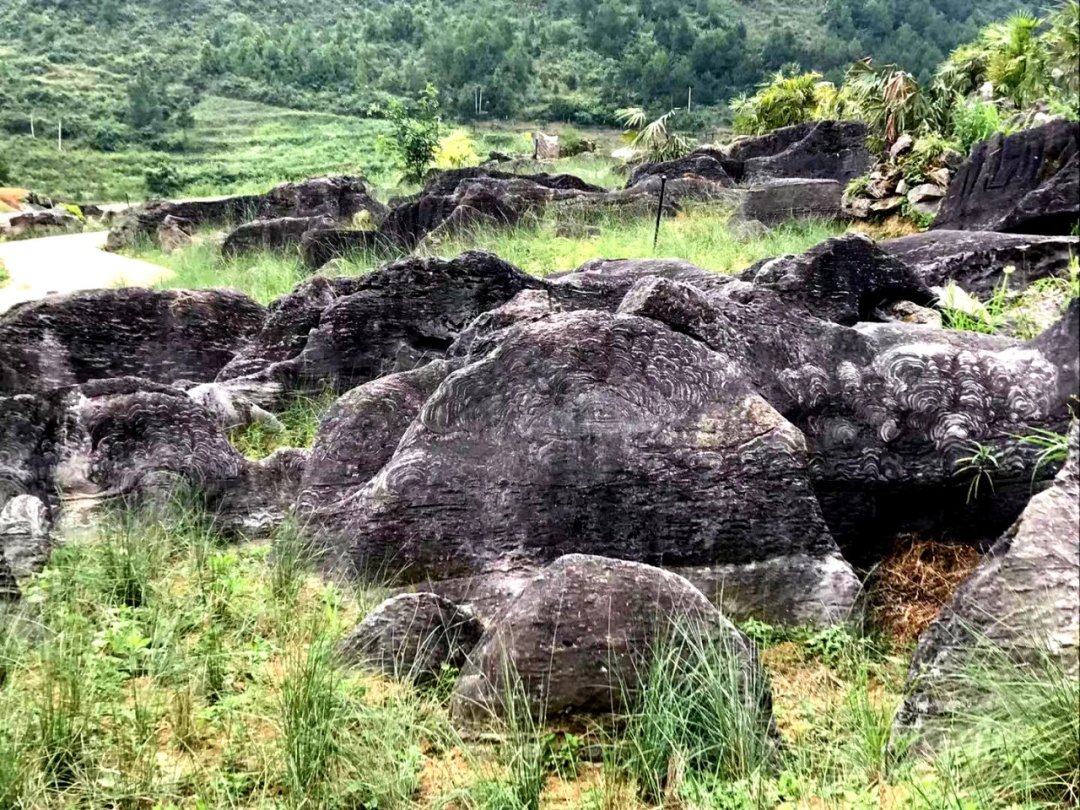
column 413, row 636
column 1022, row 604
column 344, row 333
column 581, row 636
column 25, row 535
column 890, row 411
column 272, row 234
column 976, row 260
column 339, row 198
column 584, row 432
column 132, row 439
column 775, row 201
column 160, row 335
column 1027, row 182
column 826, row 150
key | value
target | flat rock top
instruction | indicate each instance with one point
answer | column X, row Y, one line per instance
column 64, row 264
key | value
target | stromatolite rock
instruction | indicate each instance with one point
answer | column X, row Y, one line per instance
column 889, row 410
column 160, row 335
column 706, row 164
column 344, row 333
column 976, row 260
column 413, row 636
column 339, row 198
column 272, row 234
column 1027, row 182
column 775, row 201
column 9, row 588
column 587, row 432
column 581, row 636
column 829, row 150
column 25, row 535
column 1022, row 604
column 141, row 441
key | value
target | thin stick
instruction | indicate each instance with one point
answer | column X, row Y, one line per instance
column 659, row 210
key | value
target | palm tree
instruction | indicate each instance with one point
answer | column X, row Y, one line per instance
column 655, row 139
column 1063, row 41
column 1017, row 59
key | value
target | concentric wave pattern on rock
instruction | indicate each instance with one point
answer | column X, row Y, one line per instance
column 344, row 333
column 596, row 433
column 1022, row 604
column 889, row 410
column 160, row 335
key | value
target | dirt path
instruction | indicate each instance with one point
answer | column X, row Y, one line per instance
column 37, row 267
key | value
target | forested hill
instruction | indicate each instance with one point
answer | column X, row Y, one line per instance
column 574, row 60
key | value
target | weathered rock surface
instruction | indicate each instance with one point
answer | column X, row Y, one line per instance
column 775, row 201
column 136, row 439
column 1027, row 182
column 707, row 164
column 161, row 335
column 580, row 637
column 842, row 280
column 1023, row 601
column 413, row 636
column 339, row 198
column 9, row 588
column 588, row 432
column 829, row 150
column 25, row 535
column 394, row 319
column 976, row 260
column 272, row 234
column 174, row 234
column 888, row 410
column 41, row 223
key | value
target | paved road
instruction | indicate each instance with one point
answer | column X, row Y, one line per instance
column 62, row 264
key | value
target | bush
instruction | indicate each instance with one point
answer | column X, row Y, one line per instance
column 785, row 100
column 571, row 143
column 455, row 151
column 416, row 132
column 5, row 170
column 163, row 179
column 975, row 121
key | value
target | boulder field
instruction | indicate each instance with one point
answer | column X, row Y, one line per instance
column 552, row 474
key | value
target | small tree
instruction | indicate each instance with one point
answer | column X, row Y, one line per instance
column 417, row 129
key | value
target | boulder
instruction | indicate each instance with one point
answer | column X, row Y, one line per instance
column 1027, row 182
column 1022, row 603
column 395, row 319
column 25, row 535
column 890, row 411
column 775, row 201
column 339, row 198
column 413, row 636
column 174, row 233
column 709, row 165
column 137, row 440
column 976, row 260
column 842, row 280
column 320, row 246
column 826, row 150
column 160, row 335
column 272, row 234
column 48, row 221
column 592, row 432
column 581, row 636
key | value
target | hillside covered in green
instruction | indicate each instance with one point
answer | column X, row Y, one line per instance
column 116, row 71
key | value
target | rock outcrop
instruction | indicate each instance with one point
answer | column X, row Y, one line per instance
column 1021, row 604
column 708, row 164
column 1027, row 182
column 25, row 535
column 976, row 260
column 273, row 234
column 343, row 333
column 826, row 150
column 414, row 637
column 586, row 432
column 160, row 335
column 581, row 636
column 339, row 198
column 137, row 440
column 9, row 588
column 775, row 201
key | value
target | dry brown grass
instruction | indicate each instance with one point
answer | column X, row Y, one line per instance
column 915, row 581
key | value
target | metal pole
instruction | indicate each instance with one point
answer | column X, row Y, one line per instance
column 689, row 97
column 32, row 133
column 659, row 210
column 59, row 136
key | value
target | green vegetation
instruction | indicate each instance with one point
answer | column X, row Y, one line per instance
column 415, row 133
column 156, row 664
column 299, row 422
column 1025, row 59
